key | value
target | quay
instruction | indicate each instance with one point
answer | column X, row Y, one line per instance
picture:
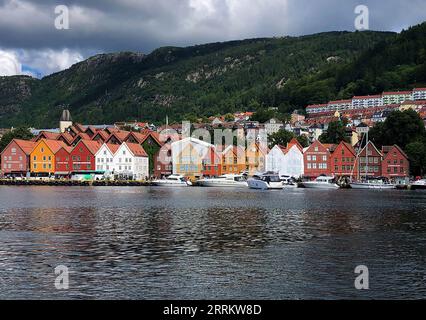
column 71, row 183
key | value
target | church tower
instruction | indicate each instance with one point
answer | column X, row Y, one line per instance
column 66, row 121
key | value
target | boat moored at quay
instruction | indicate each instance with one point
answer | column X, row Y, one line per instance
column 266, row 181
column 418, row 185
column 172, row 181
column 227, row 180
column 322, row 182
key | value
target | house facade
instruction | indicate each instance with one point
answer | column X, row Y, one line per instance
column 344, row 160
column 287, row 161
column 317, row 160
column 42, row 157
column 395, row 164
column 105, row 158
column 370, row 161
column 16, row 157
column 131, row 161
column 63, row 165
column 188, row 155
column 83, row 156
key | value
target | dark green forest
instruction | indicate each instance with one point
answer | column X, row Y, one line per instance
column 287, row 73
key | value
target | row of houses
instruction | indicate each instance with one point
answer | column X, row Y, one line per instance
column 370, row 101
column 195, row 158
column 56, row 158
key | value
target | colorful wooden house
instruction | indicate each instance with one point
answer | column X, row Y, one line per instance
column 83, row 156
column 317, row 160
column 344, row 160
column 370, row 161
column 42, row 158
column 63, row 162
column 395, row 164
column 15, row 158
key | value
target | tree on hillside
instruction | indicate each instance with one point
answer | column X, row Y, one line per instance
column 400, row 128
column 19, row 133
column 263, row 115
column 282, row 137
column 335, row 133
column 416, row 152
column 303, row 140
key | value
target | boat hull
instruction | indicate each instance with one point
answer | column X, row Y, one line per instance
column 222, row 184
column 372, row 186
column 169, row 184
column 262, row 185
column 316, row 185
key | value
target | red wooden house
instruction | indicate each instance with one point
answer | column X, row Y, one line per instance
column 63, row 161
column 395, row 163
column 15, row 158
column 317, row 160
column 212, row 164
column 344, row 160
column 370, row 161
column 83, row 156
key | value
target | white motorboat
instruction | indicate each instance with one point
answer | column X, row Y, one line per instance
column 419, row 185
column 172, row 181
column 322, row 182
column 379, row 184
column 288, row 182
column 267, row 181
column 227, row 180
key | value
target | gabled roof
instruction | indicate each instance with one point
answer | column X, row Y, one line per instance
column 294, row 142
column 67, row 136
column 47, row 135
column 136, row 149
column 103, row 134
column 92, row 146
column 121, row 136
column 53, row 145
column 26, row 146
column 387, row 149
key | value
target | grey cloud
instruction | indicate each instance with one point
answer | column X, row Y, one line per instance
column 143, row 25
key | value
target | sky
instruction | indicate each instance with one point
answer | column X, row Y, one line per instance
column 31, row 42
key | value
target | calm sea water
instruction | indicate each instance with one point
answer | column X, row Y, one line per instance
column 195, row 243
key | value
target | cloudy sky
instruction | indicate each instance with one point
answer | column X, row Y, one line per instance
column 31, row 44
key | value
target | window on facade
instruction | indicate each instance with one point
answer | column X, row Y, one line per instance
column 13, row 150
column 309, row 158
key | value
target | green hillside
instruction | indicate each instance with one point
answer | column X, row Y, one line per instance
column 204, row 80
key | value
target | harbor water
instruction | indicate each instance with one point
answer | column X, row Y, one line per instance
column 200, row 243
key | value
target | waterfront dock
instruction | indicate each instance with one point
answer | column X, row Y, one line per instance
column 70, row 183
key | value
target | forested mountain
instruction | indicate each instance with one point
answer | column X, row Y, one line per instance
column 287, row 73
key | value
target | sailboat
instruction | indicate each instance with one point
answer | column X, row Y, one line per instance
column 369, row 182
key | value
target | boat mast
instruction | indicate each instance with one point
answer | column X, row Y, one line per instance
column 366, row 158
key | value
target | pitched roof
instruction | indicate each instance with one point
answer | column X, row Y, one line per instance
column 387, row 149
column 137, row 150
column 48, row 135
column 26, row 146
column 92, row 146
column 103, row 134
column 54, row 145
column 295, row 142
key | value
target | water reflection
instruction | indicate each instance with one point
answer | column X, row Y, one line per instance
column 210, row 243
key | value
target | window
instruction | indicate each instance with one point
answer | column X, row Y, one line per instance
column 88, row 158
column 324, row 158
column 35, row 166
column 42, row 150
column 314, row 158
column 50, row 158
column 13, row 150
column 44, row 158
column 309, row 158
